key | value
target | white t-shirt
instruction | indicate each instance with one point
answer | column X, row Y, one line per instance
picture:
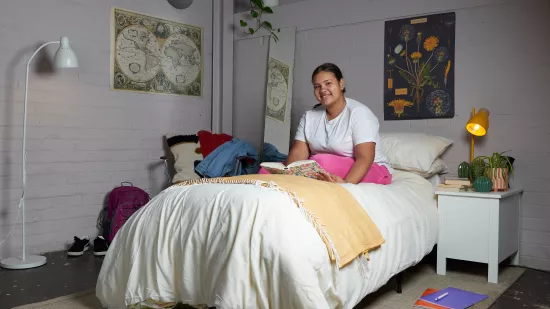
column 356, row 124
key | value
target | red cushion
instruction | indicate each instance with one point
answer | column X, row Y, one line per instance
column 209, row 142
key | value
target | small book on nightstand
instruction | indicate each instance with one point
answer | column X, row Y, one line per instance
column 455, row 184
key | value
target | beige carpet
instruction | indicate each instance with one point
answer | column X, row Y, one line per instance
column 417, row 279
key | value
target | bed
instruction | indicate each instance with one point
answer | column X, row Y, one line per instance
column 192, row 245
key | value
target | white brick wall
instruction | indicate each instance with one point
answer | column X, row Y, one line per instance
column 83, row 139
column 499, row 65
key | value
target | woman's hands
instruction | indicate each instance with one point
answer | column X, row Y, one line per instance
column 331, row 178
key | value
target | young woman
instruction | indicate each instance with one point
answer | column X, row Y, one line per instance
column 340, row 133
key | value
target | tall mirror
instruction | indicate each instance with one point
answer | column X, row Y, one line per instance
column 278, row 103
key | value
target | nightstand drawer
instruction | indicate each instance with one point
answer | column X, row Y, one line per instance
column 464, row 228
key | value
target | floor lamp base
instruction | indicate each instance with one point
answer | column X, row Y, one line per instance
column 31, row 261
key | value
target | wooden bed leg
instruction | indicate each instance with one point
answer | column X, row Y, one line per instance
column 399, row 279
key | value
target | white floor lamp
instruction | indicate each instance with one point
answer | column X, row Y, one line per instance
column 64, row 58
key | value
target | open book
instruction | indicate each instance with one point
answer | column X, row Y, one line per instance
column 306, row 168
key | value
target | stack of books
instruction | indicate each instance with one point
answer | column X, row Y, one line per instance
column 455, row 184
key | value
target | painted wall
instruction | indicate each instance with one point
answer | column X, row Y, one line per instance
column 499, row 65
column 249, row 85
column 83, row 139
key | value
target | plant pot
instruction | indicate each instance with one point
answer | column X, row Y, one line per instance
column 499, row 178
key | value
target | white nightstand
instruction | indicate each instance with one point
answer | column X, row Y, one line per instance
column 478, row 227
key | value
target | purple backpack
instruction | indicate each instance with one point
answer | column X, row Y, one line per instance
column 123, row 202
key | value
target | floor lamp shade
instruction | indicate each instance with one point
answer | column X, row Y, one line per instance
column 64, row 58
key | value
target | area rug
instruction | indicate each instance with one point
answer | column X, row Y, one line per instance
column 416, row 280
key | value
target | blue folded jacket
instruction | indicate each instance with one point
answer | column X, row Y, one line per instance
column 271, row 154
column 223, row 160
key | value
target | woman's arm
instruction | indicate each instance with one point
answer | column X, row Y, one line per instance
column 299, row 151
column 364, row 156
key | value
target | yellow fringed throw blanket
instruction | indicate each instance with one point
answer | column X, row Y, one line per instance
column 344, row 226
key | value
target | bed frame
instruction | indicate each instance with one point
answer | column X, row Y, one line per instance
column 399, row 281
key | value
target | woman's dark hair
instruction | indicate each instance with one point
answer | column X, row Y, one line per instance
column 329, row 67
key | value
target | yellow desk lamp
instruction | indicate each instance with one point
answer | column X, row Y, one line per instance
column 477, row 126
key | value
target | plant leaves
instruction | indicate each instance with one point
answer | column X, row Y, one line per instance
column 243, row 23
column 254, row 13
column 251, row 30
column 267, row 25
column 258, row 3
column 267, row 9
column 406, row 77
column 426, row 69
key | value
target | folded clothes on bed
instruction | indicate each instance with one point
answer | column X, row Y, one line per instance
column 344, row 226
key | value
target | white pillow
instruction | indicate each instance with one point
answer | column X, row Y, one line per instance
column 413, row 151
column 438, row 167
column 184, row 149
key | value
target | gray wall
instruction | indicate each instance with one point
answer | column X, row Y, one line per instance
column 281, row 2
column 83, row 139
column 249, row 84
column 500, row 65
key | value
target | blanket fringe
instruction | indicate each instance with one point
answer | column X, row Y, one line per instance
column 333, row 254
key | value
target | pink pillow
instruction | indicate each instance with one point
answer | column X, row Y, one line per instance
column 340, row 166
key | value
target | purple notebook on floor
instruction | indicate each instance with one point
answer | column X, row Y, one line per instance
column 455, row 298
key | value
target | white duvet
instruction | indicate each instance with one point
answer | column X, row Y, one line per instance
column 244, row 246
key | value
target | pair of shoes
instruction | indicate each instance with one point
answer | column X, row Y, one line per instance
column 100, row 246
column 83, row 244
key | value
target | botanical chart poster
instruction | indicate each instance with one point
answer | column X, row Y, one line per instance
column 278, row 74
column 154, row 55
column 419, row 67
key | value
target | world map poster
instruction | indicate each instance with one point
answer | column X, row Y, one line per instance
column 278, row 74
column 419, row 67
column 153, row 55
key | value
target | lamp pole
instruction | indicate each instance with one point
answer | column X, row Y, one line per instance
column 472, row 142
column 24, row 152
column 64, row 58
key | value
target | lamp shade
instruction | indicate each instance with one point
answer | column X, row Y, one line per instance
column 479, row 123
column 65, row 56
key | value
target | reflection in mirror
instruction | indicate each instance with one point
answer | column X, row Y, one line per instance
column 276, row 141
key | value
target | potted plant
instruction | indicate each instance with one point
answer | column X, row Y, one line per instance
column 257, row 9
column 478, row 166
column 497, row 168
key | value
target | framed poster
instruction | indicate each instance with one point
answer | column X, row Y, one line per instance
column 419, row 67
column 154, row 55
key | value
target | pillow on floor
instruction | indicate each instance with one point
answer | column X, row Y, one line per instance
column 413, row 151
column 185, row 150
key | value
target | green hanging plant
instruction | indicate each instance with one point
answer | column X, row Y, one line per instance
column 497, row 160
column 257, row 9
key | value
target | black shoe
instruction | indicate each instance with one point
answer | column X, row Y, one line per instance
column 79, row 246
column 100, row 246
